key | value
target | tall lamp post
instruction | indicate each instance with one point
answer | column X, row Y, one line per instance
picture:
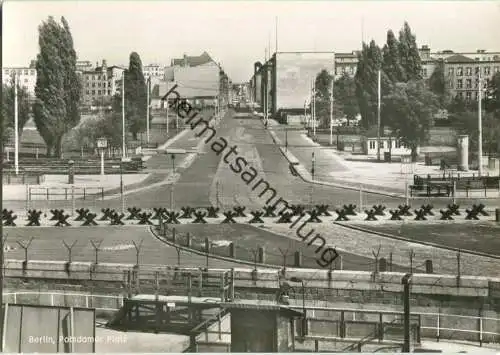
column 147, row 108
column 480, row 126
column 102, row 144
column 122, row 187
column 124, row 147
column 304, row 312
column 16, row 127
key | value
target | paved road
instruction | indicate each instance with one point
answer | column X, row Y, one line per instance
column 209, row 180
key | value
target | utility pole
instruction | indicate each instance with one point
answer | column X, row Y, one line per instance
column 124, row 148
column 378, row 117
column 16, row 127
column 314, row 107
column 480, row 127
column 147, row 109
column 331, row 114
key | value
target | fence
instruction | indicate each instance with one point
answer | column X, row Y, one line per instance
column 322, row 320
column 69, row 193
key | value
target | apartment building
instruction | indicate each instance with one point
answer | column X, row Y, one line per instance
column 101, row 83
column 153, row 71
column 346, row 63
column 26, row 78
column 463, row 73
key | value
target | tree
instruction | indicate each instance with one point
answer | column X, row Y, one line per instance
column 409, row 55
column 322, row 104
column 135, row 96
column 437, row 84
column 492, row 95
column 58, row 88
column 23, row 107
column 344, row 93
column 409, row 109
column 391, row 64
column 366, row 79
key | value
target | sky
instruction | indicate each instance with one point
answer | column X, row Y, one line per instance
column 237, row 33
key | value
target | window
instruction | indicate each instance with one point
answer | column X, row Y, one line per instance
column 477, row 71
column 486, row 70
column 485, row 84
column 25, row 80
column 93, row 92
column 459, row 71
column 468, row 71
column 468, row 84
column 109, row 84
column 372, row 144
column 98, row 85
column 32, row 72
column 451, row 84
column 88, row 92
column 397, row 144
column 381, row 144
column 451, row 71
column 459, row 84
column 93, row 85
column 477, row 83
column 468, row 95
column 98, row 92
column 109, row 92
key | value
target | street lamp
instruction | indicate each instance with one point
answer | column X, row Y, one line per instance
column 406, row 281
column 102, row 144
column 304, row 318
column 122, row 187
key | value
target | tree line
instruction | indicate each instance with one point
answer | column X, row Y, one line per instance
column 58, row 95
column 408, row 101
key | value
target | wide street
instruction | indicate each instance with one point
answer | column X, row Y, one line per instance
column 208, row 180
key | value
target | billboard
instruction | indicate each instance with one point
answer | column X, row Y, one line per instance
column 199, row 81
column 295, row 72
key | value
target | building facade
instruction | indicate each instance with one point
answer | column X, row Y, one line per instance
column 153, row 71
column 346, row 63
column 398, row 148
column 26, row 78
column 101, row 84
column 463, row 74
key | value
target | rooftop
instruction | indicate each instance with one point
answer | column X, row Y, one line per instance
column 193, row 61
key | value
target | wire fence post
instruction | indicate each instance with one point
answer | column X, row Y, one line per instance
column 458, row 268
column 96, row 246
column 137, row 251
column 375, row 255
column 411, row 255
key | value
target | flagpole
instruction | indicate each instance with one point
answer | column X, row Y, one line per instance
column 147, row 110
column 16, row 127
column 480, row 128
column 378, row 118
column 124, row 150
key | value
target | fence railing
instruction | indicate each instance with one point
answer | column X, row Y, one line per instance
column 438, row 326
column 69, row 193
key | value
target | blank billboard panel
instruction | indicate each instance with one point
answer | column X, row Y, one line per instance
column 48, row 329
column 295, row 73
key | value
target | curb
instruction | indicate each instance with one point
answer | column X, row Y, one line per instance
column 213, row 256
column 415, row 241
column 298, row 167
column 300, row 172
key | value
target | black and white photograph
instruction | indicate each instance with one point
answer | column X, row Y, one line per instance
column 250, row 176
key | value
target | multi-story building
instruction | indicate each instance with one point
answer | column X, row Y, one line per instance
column 26, row 78
column 153, row 71
column 100, row 84
column 346, row 63
column 463, row 74
column 84, row 65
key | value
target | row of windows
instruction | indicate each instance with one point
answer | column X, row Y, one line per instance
column 99, row 92
column 98, row 84
column 469, row 95
column 468, row 71
column 395, row 144
column 343, row 70
column 20, row 71
column 468, row 84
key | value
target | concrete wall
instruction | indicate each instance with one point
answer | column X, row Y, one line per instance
column 211, row 341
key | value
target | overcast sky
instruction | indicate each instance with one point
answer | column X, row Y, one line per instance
column 237, row 33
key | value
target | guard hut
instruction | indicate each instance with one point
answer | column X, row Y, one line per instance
column 262, row 328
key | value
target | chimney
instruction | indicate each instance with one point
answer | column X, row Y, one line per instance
column 185, row 60
column 104, row 66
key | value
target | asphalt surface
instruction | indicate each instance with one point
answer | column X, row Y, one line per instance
column 209, row 181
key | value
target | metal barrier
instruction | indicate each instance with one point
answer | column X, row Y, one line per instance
column 69, row 193
column 478, row 326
